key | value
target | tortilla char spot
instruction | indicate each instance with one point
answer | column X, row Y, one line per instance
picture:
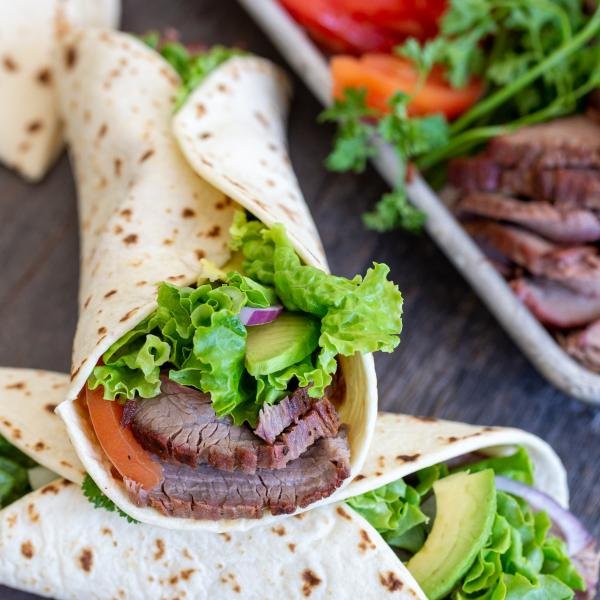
column 34, row 126
column 200, row 110
column 200, row 254
column 407, row 457
column 118, row 230
column 101, row 330
column 130, row 239
column 39, row 446
column 167, row 242
column 174, row 579
column 86, row 560
column 128, row 315
column 66, row 483
column 187, row 213
column 340, row 511
column 175, row 277
column 17, row 433
column 206, row 161
column 126, row 213
column 390, row 581
column 141, row 283
column 9, row 63
column 381, row 461
column 160, row 549
column 186, row 554
column 214, row 231
column 359, row 477
column 226, row 536
column 111, row 293
column 261, row 119
column 280, row 531
column 365, row 541
column 299, row 516
column 19, row 385
column 144, row 157
column 50, row 407
column 204, row 135
column 12, row 520
column 50, row 489
column 87, row 302
column 488, row 428
column 66, row 463
column 310, row 581
column 118, row 165
column 106, row 531
column 27, row 549
column 451, row 439
column 223, row 88
column 24, row 147
column 70, row 57
column 102, row 131
column 34, row 515
column 426, row 419
column 44, row 76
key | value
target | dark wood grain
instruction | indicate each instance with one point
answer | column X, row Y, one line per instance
column 454, row 361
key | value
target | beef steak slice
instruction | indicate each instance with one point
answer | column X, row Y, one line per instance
column 208, row 493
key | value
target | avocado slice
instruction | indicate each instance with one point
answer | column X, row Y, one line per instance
column 281, row 343
column 465, row 512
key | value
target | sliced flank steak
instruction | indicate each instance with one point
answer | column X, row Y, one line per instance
column 208, row 493
column 180, row 426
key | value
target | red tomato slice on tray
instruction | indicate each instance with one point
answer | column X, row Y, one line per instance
column 120, row 446
column 357, row 26
column 382, row 75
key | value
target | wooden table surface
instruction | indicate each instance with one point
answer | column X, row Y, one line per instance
column 454, row 361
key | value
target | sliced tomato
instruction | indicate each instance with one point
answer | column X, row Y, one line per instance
column 120, row 446
column 337, row 30
column 382, row 75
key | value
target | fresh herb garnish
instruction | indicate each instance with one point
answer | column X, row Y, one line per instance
column 94, row 494
column 538, row 59
column 355, row 142
column 192, row 67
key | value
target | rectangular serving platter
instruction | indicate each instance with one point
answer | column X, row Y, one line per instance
column 537, row 344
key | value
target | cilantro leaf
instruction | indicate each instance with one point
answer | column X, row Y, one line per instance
column 94, row 494
column 352, row 144
column 393, row 211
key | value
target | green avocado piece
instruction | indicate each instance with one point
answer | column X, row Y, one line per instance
column 281, row 343
column 465, row 512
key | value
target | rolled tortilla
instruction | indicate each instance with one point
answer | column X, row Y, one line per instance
column 327, row 552
column 53, row 542
column 147, row 216
column 30, row 129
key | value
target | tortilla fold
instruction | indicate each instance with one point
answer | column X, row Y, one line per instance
column 147, row 215
column 30, row 129
column 53, row 542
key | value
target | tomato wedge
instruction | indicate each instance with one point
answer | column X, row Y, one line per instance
column 383, row 75
column 120, row 446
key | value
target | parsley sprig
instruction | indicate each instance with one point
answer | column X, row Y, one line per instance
column 94, row 494
column 537, row 58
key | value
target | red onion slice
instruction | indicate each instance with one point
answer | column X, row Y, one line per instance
column 260, row 316
column 581, row 545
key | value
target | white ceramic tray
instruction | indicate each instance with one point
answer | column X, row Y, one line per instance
column 543, row 351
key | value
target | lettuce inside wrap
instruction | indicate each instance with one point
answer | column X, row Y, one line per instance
column 197, row 333
column 521, row 558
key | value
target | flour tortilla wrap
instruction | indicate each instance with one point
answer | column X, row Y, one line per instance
column 146, row 216
column 53, row 542
column 30, row 129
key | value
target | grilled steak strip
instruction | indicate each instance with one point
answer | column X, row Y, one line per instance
column 584, row 346
column 559, row 225
column 555, row 305
column 274, row 418
column 208, row 493
column 180, row 426
column 576, row 267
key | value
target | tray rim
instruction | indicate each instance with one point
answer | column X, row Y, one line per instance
column 525, row 330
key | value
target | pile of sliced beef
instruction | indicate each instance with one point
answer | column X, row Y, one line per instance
column 212, row 469
column 531, row 200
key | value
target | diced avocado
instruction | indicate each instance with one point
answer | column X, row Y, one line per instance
column 465, row 511
column 281, row 343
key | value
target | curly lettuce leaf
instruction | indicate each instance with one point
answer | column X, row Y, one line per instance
column 192, row 67
column 520, row 560
column 14, row 482
column 357, row 315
